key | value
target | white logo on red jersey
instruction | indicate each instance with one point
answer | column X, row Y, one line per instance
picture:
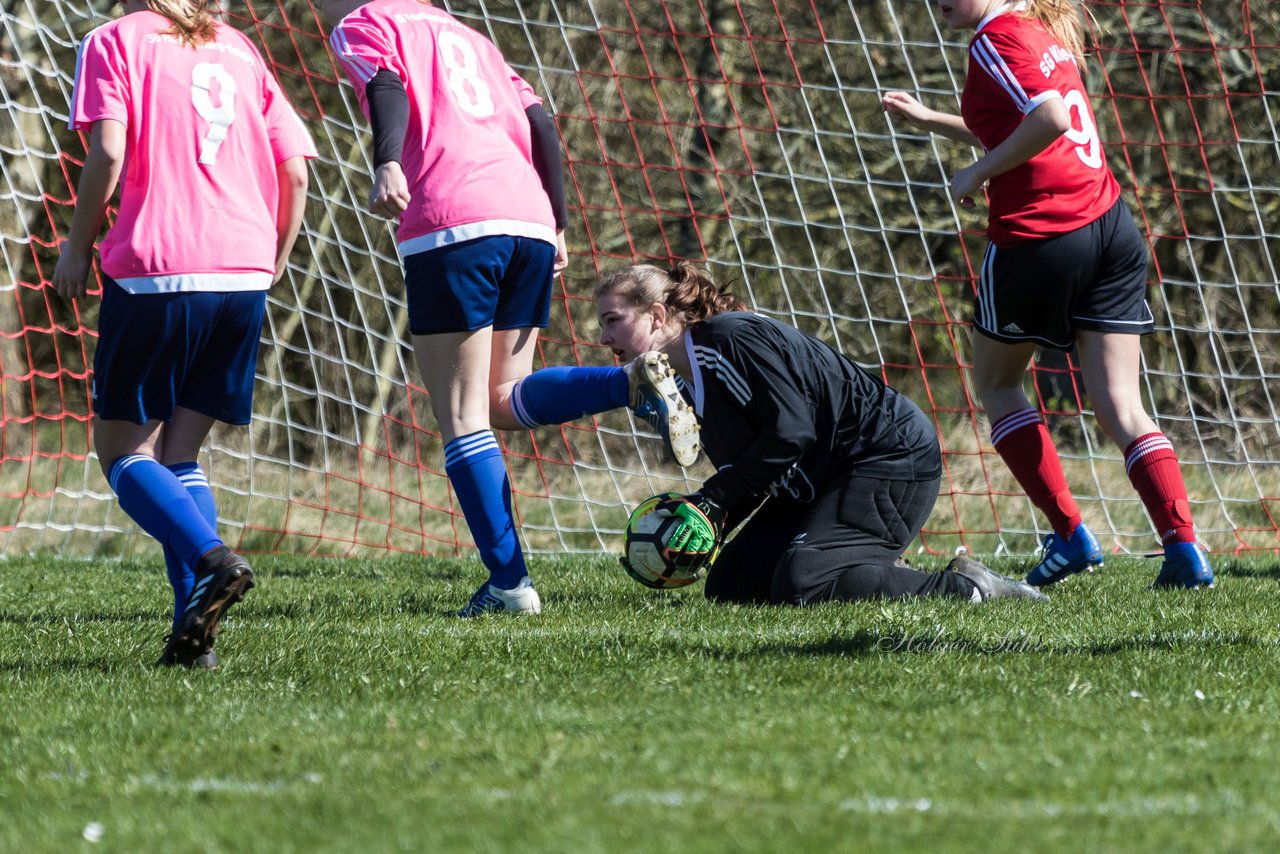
column 1050, row 58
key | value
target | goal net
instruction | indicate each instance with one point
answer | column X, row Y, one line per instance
column 744, row 134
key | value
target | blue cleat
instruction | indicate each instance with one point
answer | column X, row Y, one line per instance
column 1185, row 565
column 521, row 599
column 1077, row 553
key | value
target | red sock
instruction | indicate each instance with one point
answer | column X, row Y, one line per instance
column 1153, row 470
column 1023, row 442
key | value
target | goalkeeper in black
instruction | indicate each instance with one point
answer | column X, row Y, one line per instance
column 840, row 470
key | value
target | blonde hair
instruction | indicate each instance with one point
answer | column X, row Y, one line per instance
column 1063, row 19
column 686, row 289
column 193, row 23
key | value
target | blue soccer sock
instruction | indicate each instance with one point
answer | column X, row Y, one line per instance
column 557, row 395
column 181, row 576
column 476, row 469
column 155, row 499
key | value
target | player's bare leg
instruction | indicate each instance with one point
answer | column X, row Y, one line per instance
column 511, row 360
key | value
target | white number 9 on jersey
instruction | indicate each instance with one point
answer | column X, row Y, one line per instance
column 219, row 117
column 465, row 82
column 1088, row 146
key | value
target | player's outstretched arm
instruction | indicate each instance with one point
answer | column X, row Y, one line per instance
column 933, row 121
column 102, row 167
column 292, row 177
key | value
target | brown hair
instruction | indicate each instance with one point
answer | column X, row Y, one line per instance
column 1063, row 19
column 686, row 289
column 193, row 23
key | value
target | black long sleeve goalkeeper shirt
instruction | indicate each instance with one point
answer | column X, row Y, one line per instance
column 784, row 414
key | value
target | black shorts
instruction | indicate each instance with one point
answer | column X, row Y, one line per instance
column 860, row 522
column 1093, row 278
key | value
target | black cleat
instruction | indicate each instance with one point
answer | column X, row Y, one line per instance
column 991, row 584
column 222, row 579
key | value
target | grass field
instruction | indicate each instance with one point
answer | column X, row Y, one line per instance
column 353, row 713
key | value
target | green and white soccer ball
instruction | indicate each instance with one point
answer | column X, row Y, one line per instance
column 646, row 557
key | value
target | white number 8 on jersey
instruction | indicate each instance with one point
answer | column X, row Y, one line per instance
column 468, row 88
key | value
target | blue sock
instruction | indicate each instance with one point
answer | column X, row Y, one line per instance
column 557, row 395
column 479, row 477
column 181, row 576
column 155, row 499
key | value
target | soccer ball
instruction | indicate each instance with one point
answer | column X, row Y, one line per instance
column 646, row 558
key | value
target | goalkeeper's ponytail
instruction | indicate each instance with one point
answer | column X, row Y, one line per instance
column 694, row 296
column 686, row 289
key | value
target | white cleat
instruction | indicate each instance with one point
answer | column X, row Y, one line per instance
column 521, row 599
column 656, row 398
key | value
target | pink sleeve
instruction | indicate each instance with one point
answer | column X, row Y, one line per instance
column 101, row 89
column 288, row 135
column 362, row 48
column 528, row 97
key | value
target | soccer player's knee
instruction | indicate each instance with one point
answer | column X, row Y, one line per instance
column 794, row 580
column 504, row 420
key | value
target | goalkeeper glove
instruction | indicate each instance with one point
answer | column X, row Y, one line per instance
column 695, row 540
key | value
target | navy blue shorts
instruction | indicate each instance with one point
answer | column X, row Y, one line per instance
column 1093, row 278
column 503, row 282
column 156, row 352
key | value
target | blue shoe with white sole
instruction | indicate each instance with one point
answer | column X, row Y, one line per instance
column 656, row 398
column 521, row 599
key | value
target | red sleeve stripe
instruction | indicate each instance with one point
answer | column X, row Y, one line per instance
column 1012, row 422
column 1151, row 443
column 985, row 54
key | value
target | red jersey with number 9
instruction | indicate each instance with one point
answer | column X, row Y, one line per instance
column 1015, row 65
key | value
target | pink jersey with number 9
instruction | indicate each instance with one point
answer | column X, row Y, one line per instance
column 468, row 148
column 205, row 128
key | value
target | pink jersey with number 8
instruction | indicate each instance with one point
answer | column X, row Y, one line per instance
column 468, row 151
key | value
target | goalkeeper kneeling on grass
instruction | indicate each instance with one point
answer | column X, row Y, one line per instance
column 841, row 470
